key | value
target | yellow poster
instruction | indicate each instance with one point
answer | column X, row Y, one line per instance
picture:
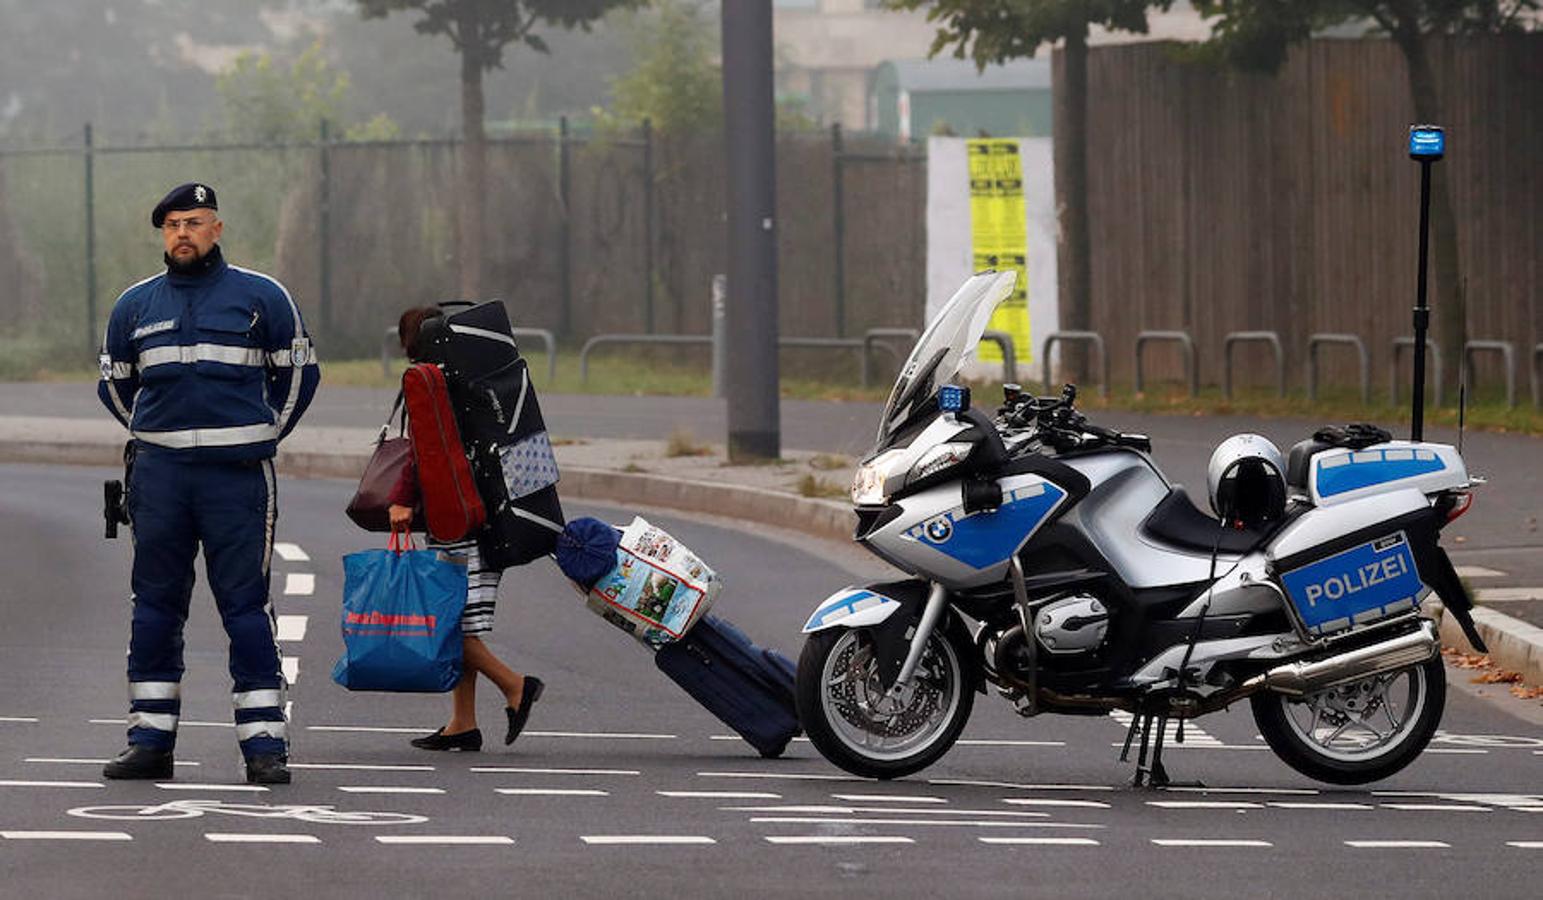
column 997, row 223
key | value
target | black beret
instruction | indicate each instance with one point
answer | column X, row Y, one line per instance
column 183, row 197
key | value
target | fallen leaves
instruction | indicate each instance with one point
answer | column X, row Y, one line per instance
column 1489, row 673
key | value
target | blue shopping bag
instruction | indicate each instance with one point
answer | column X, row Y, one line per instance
column 401, row 620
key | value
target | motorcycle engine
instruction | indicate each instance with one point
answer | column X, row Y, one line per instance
column 1075, row 624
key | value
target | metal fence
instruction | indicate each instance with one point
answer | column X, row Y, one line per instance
column 584, row 233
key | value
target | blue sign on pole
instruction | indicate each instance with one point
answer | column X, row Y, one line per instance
column 1427, row 142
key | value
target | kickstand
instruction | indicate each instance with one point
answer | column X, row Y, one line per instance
column 1155, row 775
column 1130, row 735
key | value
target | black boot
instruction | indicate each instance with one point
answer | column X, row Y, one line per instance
column 139, row 762
column 272, row 768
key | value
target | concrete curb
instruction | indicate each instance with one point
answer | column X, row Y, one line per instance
column 814, row 517
column 1514, row 645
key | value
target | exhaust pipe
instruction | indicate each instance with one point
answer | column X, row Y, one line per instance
column 1298, row 678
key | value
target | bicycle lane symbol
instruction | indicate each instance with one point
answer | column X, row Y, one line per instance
column 192, row 809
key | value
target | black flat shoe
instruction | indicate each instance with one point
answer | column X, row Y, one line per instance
column 139, row 762
column 470, row 741
column 529, row 694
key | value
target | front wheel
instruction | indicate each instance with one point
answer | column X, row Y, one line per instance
column 857, row 725
column 1358, row 732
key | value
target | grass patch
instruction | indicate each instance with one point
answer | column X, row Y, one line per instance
column 826, row 462
column 814, row 486
column 633, row 468
column 683, row 443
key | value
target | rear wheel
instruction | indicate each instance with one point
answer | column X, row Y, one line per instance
column 1358, row 732
column 857, row 725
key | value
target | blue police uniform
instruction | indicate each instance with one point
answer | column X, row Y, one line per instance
column 209, row 367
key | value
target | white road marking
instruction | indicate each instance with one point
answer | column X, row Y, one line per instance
column 964, row 782
column 226, row 837
column 602, row 735
column 233, row 788
column 1038, row 801
column 1309, row 792
column 995, row 742
column 1293, row 804
column 291, row 628
column 1507, row 595
column 1193, row 735
column 299, row 584
column 516, row 770
column 51, row 784
column 635, row 839
column 440, row 839
column 968, row 823
column 1398, row 845
column 65, row 836
column 1525, row 845
column 1204, row 804
column 1208, row 842
column 387, row 789
column 789, row 776
column 1170, row 744
column 369, row 729
column 1453, row 750
column 1478, row 572
column 1435, row 807
column 885, row 810
column 20, row 720
column 1039, row 841
column 734, row 737
column 291, row 667
column 887, row 798
column 361, row 767
column 290, row 552
column 720, row 795
column 553, row 792
column 836, row 839
column 73, row 761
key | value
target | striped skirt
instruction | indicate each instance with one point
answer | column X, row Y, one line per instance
column 481, row 586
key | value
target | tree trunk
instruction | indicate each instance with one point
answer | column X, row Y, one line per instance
column 470, row 209
column 1071, row 184
column 1448, row 297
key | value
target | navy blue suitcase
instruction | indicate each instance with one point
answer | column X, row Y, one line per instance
column 750, row 689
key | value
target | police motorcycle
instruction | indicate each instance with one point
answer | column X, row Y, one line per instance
column 1049, row 558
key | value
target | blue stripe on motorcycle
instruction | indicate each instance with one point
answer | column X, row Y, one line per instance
column 1344, row 473
column 985, row 539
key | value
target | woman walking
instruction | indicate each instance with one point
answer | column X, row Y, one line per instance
column 520, row 691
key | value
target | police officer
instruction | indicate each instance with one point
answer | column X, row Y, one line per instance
column 209, row 366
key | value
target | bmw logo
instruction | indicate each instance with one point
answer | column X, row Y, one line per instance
column 939, row 530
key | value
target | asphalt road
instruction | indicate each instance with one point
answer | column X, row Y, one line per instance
column 623, row 786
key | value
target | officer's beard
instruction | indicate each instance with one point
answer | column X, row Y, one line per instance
column 195, row 266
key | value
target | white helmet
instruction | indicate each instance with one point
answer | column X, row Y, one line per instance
column 1246, row 480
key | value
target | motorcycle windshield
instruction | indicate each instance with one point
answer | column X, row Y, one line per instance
column 945, row 348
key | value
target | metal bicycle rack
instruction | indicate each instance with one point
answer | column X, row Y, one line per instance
column 1314, row 341
column 1088, row 337
column 862, row 345
column 1239, row 337
column 1507, row 352
column 1185, row 342
column 1402, row 343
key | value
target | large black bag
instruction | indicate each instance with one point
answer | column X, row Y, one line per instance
column 748, row 688
column 502, row 428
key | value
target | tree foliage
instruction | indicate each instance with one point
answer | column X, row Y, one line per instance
column 994, row 31
column 481, row 29
column 1256, row 35
column 673, row 81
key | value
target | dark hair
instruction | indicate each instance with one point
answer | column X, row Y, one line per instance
column 408, row 325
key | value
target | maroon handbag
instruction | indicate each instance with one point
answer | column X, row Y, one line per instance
column 370, row 506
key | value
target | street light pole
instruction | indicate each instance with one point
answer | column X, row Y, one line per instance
column 750, row 145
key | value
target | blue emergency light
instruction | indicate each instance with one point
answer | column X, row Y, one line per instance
column 953, row 398
column 1427, row 143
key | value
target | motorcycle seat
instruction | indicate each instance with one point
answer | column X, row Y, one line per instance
column 1296, row 462
column 1177, row 522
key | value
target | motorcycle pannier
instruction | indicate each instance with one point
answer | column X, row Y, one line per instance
column 501, row 425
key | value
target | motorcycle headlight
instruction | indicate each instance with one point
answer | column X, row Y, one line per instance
column 868, row 483
column 941, row 457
